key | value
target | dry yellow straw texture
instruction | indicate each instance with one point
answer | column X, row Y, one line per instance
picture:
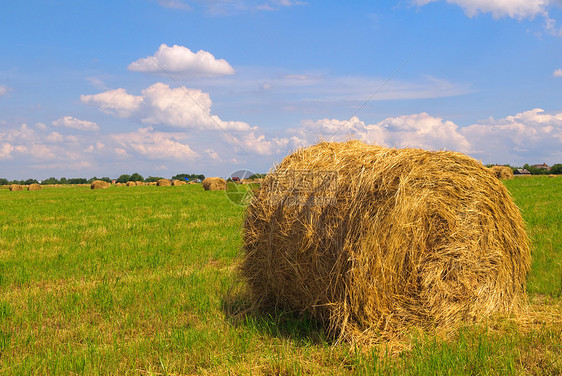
column 214, row 184
column 400, row 238
column 502, row 172
column 34, row 187
column 178, row 182
column 15, row 187
column 100, row 184
column 163, row 183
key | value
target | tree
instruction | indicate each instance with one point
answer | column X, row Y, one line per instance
column 556, row 169
column 151, row 179
column 535, row 171
column 78, row 181
column 136, row 177
column 50, row 181
column 30, row 181
column 3, row 181
column 123, row 178
column 257, row 176
column 189, row 176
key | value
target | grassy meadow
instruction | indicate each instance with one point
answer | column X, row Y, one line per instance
column 143, row 280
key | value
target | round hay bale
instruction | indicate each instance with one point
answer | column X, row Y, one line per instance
column 152, row 183
column 99, row 184
column 552, row 176
column 164, row 183
column 131, row 184
column 178, row 182
column 34, row 187
column 371, row 241
column 15, row 187
column 502, row 172
column 214, row 184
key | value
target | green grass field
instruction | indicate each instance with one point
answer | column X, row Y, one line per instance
column 143, row 280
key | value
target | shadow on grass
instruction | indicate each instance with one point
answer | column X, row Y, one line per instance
column 274, row 321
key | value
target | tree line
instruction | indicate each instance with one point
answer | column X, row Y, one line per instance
column 556, row 169
column 121, row 179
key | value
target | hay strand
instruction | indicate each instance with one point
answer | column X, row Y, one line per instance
column 214, row 184
column 99, row 184
column 372, row 241
column 502, row 172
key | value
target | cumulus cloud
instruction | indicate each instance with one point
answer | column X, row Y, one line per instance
column 5, row 150
column 179, row 59
column 55, row 137
column 518, row 9
column 417, row 130
column 260, row 144
column 153, row 145
column 4, row 90
column 519, row 138
column 71, row 122
column 159, row 104
column 424, row 131
column 557, row 73
column 116, row 102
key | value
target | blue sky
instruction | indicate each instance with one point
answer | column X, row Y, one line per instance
column 162, row 87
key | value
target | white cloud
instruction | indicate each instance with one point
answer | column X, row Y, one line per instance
column 116, row 102
column 417, row 130
column 211, row 154
column 557, row 73
column 152, row 144
column 5, row 150
column 179, row 59
column 4, row 90
column 337, row 130
column 71, row 122
column 260, row 144
column 518, row 9
column 174, row 4
column 41, row 126
column 424, row 131
column 55, row 137
column 524, row 137
column 159, row 104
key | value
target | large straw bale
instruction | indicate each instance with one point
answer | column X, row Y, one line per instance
column 163, row 183
column 178, row 182
column 214, row 184
column 99, row 184
column 34, row 187
column 502, row 172
column 371, row 241
column 15, row 187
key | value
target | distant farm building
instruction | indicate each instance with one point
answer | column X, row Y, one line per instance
column 522, row 171
column 542, row 166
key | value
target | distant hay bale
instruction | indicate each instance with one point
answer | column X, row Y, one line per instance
column 164, row 183
column 15, row 187
column 99, row 184
column 552, row 176
column 502, row 172
column 152, row 183
column 371, row 241
column 178, row 182
column 131, row 184
column 34, row 187
column 214, row 184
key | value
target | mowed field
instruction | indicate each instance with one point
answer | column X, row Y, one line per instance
column 143, row 280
